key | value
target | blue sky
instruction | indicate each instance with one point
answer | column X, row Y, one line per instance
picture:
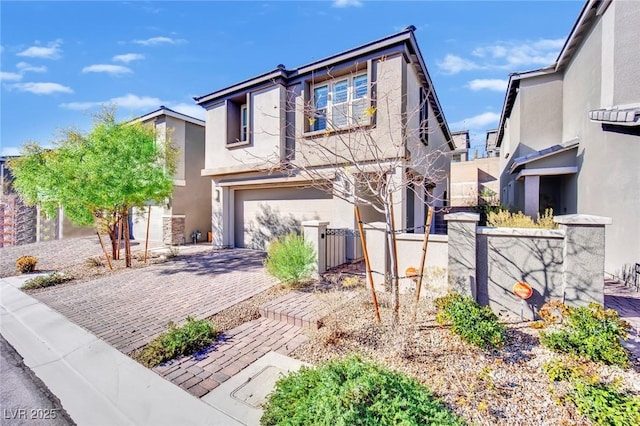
column 61, row 60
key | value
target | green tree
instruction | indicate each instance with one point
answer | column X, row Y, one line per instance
column 98, row 177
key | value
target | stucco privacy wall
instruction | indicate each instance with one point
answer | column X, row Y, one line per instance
column 485, row 262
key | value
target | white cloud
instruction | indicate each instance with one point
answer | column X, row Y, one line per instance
column 347, row 3
column 10, row 151
column 52, row 51
column 158, row 40
column 128, row 57
column 42, row 88
column 24, row 67
column 479, row 121
column 128, row 101
column 506, row 55
column 192, row 110
column 10, row 76
column 453, row 64
column 495, row 84
column 107, row 68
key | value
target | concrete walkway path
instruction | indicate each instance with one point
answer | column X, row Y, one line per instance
column 625, row 300
column 96, row 384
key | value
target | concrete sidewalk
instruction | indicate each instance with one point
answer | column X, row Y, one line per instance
column 96, row 384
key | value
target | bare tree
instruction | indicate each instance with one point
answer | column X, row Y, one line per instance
column 369, row 143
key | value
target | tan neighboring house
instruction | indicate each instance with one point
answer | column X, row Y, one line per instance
column 569, row 134
column 475, row 182
column 189, row 208
column 462, row 143
column 268, row 117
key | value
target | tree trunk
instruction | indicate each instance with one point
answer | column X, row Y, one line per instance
column 114, row 240
column 127, row 242
column 395, row 282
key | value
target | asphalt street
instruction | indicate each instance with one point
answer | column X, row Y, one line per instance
column 24, row 399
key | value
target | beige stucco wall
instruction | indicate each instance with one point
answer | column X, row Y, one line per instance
column 353, row 143
column 470, row 177
column 266, row 133
column 178, row 140
column 193, row 200
column 541, row 104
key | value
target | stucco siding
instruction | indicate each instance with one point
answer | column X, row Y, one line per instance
column 386, row 130
column 177, row 133
column 608, row 182
column 541, row 103
column 626, row 52
column 194, row 199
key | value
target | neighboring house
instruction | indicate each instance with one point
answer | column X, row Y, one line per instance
column 475, row 182
column 189, row 208
column 274, row 115
column 21, row 224
column 569, row 133
column 490, row 145
column 462, row 144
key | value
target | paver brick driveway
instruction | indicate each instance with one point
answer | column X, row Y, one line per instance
column 129, row 309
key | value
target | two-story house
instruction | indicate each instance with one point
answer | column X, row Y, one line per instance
column 568, row 134
column 189, row 208
column 367, row 108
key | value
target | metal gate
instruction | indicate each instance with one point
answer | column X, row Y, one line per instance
column 342, row 246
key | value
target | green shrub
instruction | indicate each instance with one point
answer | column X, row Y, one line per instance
column 559, row 370
column 178, row 341
column 506, row 219
column 46, row 281
column 26, row 264
column 290, row 259
column 350, row 392
column 602, row 403
column 605, row 404
column 591, row 332
column 476, row 324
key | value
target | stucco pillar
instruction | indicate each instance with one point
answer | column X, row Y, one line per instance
column 378, row 250
column 531, row 196
column 221, row 212
column 583, row 258
column 315, row 233
column 462, row 252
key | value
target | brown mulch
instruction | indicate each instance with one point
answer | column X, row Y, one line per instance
column 485, row 387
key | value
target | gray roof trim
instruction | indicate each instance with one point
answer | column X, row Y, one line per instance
column 547, row 152
column 171, row 113
column 262, row 78
column 616, row 116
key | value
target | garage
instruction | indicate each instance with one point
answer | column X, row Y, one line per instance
column 261, row 214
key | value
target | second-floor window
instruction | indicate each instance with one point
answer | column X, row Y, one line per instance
column 340, row 103
column 244, row 123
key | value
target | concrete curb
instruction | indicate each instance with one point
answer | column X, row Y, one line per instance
column 96, row 384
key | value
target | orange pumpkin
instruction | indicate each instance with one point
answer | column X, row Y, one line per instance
column 411, row 272
column 522, row 290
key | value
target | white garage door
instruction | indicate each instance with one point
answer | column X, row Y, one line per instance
column 262, row 214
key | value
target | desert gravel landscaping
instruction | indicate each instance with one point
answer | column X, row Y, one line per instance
column 496, row 387
column 506, row 386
